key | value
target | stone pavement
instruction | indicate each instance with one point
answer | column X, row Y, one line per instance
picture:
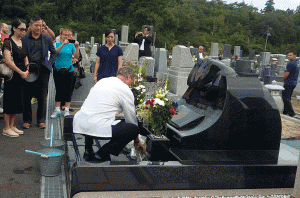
column 19, row 173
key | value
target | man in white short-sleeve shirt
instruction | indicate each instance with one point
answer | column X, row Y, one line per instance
column 96, row 118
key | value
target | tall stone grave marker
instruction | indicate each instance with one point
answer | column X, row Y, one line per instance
column 103, row 39
column 227, row 51
column 281, row 65
column 124, row 36
column 237, row 51
column 161, row 65
column 131, row 52
column 194, row 52
column 92, row 41
column 182, row 64
column 116, row 39
column 85, row 60
column 149, row 62
column 88, row 45
column 252, row 55
column 214, row 51
column 75, row 36
column 93, row 52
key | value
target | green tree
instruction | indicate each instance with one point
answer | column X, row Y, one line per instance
column 269, row 6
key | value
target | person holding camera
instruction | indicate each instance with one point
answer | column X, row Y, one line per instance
column 63, row 71
column 144, row 41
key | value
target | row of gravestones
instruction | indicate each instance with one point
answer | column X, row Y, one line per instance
column 266, row 70
column 181, row 67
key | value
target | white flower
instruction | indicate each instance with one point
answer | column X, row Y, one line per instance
column 159, row 102
column 138, row 88
column 142, row 86
column 143, row 90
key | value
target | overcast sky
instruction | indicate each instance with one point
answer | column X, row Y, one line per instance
column 279, row 4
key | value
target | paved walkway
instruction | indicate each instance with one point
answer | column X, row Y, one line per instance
column 19, row 172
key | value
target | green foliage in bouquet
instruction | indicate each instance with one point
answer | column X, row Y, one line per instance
column 159, row 110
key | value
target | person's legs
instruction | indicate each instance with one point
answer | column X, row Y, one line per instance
column 286, row 97
column 42, row 93
column 122, row 134
column 26, row 97
column 12, row 124
column 7, row 130
column 68, row 90
column 58, row 80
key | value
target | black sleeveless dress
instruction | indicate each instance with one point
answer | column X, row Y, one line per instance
column 12, row 98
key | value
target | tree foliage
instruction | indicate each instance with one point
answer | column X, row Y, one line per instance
column 198, row 22
column 269, row 6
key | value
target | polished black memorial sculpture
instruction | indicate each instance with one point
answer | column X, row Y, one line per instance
column 225, row 116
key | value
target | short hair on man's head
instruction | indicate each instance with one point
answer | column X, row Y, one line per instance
column 1, row 25
column 126, row 71
column 108, row 32
column 34, row 19
column 148, row 28
column 293, row 52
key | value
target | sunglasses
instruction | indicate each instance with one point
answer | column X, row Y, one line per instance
column 22, row 29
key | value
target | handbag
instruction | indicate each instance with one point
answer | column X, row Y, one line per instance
column 81, row 72
column 5, row 71
column 63, row 70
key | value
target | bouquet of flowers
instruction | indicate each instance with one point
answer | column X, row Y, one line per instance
column 138, row 89
column 159, row 110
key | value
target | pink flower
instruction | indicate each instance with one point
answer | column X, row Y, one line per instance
column 172, row 110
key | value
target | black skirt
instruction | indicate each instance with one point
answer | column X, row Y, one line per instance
column 12, row 98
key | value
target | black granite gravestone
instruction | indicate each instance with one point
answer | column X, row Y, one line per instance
column 238, row 114
column 227, row 51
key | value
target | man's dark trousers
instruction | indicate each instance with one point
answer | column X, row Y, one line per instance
column 286, row 97
column 39, row 89
column 122, row 134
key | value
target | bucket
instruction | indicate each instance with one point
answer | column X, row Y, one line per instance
column 56, row 144
column 51, row 166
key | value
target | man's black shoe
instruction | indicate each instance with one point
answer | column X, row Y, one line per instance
column 88, row 156
column 98, row 157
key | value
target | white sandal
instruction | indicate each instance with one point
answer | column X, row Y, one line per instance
column 10, row 133
column 17, row 130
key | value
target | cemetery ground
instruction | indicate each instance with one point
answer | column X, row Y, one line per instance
column 291, row 130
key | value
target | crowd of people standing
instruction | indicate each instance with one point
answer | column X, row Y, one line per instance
column 28, row 49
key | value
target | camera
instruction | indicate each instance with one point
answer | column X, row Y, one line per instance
column 71, row 41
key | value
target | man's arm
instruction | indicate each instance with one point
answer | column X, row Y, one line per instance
column 286, row 74
column 148, row 39
column 52, row 52
column 49, row 33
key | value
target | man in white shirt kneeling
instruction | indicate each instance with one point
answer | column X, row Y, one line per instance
column 96, row 118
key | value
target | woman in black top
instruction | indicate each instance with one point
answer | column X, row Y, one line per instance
column 12, row 98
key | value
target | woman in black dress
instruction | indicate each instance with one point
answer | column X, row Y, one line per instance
column 12, row 98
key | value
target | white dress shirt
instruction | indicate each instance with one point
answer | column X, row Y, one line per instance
column 142, row 47
column 109, row 97
column 200, row 55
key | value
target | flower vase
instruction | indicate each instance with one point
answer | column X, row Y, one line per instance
column 157, row 135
